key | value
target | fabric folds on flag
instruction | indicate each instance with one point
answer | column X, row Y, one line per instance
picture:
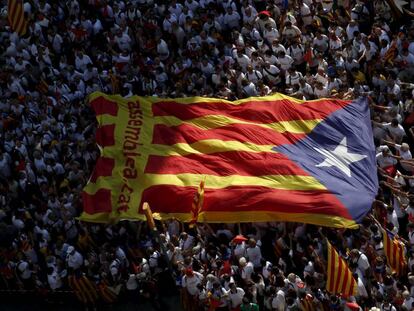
column 15, row 15
column 263, row 159
column 339, row 278
column 395, row 251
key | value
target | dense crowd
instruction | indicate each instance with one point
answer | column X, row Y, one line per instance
column 217, row 48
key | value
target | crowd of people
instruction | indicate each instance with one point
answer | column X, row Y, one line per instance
column 216, row 48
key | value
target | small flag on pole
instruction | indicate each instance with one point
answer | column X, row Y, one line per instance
column 395, row 252
column 197, row 204
column 15, row 14
column 391, row 53
column 340, row 279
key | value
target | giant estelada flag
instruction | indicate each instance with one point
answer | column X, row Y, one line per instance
column 259, row 159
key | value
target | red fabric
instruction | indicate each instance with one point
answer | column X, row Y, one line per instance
column 390, row 170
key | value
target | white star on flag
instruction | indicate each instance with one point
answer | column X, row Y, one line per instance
column 340, row 157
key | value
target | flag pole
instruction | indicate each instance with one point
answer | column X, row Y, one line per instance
column 151, row 224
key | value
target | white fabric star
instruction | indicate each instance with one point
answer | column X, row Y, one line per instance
column 340, row 157
column 399, row 4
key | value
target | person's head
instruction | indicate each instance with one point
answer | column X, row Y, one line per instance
column 242, row 262
column 405, row 147
column 246, row 301
column 394, row 123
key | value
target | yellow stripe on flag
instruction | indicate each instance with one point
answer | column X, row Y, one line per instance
column 208, row 146
column 288, row 182
column 215, row 121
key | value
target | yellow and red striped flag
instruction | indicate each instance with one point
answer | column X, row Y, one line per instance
column 391, row 53
column 307, row 303
column 15, row 14
column 395, row 251
column 197, row 203
column 265, row 159
column 339, row 279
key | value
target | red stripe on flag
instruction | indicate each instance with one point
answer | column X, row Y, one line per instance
column 400, row 264
column 245, row 133
column 254, row 111
column 100, row 202
column 16, row 16
column 101, row 105
column 175, row 199
column 103, row 168
column 345, row 289
column 332, row 271
column 394, row 255
column 105, row 135
column 337, row 287
column 225, row 164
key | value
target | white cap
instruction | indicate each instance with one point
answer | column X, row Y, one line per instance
column 242, row 261
column 70, row 249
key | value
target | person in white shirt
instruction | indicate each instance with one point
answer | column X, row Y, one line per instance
column 351, row 29
column 361, row 260
column 81, row 61
column 53, row 279
column 270, row 33
column 186, row 241
column 320, row 90
column 162, row 49
column 253, row 75
column 231, row 19
column 190, row 281
column 386, row 306
column 284, row 60
column 321, row 42
column 271, row 74
column 293, row 77
column 290, row 31
column 278, row 301
column 74, row 259
column 243, row 60
column 123, row 41
column 246, row 269
column 254, row 254
column 248, row 88
column 235, row 295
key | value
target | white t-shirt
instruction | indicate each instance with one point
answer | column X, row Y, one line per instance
column 397, row 132
column 236, row 298
column 279, row 302
column 191, row 282
column 255, row 255
column 384, row 161
column 246, row 271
